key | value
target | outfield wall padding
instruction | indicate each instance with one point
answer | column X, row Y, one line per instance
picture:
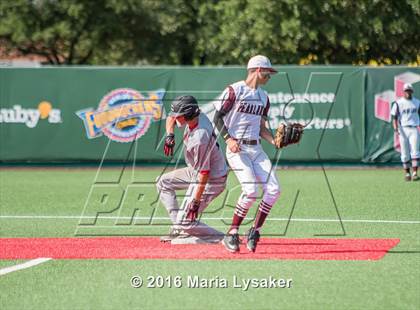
column 88, row 113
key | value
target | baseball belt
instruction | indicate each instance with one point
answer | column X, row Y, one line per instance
column 249, row 142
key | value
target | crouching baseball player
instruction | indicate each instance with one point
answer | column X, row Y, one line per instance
column 406, row 114
column 241, row 119
column 204, row 178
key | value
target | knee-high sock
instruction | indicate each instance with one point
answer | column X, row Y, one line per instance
column 414, row 164
column 263, row 211
column 244, row 203
column 238, row 217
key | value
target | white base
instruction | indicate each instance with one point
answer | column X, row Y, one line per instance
column 196, row 240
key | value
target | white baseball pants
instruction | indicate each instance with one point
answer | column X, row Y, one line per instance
column 409, row 141
column 253, row 168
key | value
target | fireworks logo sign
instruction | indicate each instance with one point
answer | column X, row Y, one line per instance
column 123, row 115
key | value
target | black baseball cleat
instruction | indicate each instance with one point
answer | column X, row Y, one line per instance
column 414, row 177
column 231, row 242
column 407, row 177
column 252, row 240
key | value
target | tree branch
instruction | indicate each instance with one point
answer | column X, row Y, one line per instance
column 75, row 40
column 86, row 57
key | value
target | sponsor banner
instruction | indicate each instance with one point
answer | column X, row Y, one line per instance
column 30, row 117
column 67, row 114
column 328, row 100
column 123, row 115
column 383, row 87
column 26, row 134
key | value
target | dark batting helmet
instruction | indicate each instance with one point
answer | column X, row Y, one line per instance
column 186, row 106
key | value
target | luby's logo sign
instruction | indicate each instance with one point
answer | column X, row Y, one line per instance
column 123, row 115
column 30, row 117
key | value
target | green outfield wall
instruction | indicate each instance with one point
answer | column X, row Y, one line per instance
column 85, row 113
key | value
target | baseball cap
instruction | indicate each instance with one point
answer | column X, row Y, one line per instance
column 408, row 86
column 260, row 61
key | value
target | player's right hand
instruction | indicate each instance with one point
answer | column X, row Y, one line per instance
column 192, row 210
column 233, row 145
column 168, row 148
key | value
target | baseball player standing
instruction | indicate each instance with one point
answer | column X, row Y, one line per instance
column 241, row 119
column 406, row 114
column 204, row 177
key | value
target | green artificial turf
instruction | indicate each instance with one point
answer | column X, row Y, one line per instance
column 378, row 195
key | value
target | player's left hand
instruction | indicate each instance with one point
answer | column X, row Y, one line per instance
column 192, row 210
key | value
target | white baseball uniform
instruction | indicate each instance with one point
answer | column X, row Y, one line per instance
column 243, row 108
column 407, row 111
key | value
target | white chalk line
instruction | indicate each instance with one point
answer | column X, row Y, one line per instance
column 71, row 217
column 24, row 265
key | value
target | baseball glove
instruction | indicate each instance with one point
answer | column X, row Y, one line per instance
column 288, row 134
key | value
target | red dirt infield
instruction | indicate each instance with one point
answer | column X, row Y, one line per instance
column 152, row 248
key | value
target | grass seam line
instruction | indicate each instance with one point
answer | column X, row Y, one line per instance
column 204, row 218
